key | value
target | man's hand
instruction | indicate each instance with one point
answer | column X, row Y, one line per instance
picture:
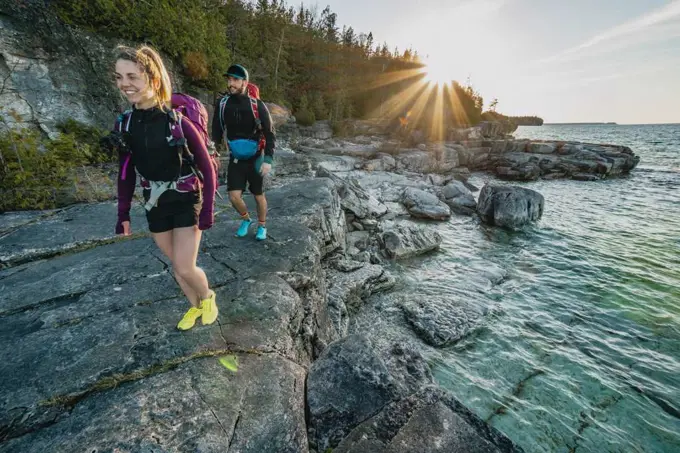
column 265, row 168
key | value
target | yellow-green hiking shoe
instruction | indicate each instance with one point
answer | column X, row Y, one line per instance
column 209, row 309
column 189, row 319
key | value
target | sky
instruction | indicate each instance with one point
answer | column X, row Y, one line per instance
column 565, row 61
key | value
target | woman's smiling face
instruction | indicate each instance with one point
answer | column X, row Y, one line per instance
column 133, row 83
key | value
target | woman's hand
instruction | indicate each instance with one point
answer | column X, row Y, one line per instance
column 126, row 228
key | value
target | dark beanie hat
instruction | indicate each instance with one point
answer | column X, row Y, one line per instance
column 238, row 71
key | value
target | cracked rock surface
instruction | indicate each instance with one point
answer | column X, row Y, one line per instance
column 198, row 406
column 92, row 360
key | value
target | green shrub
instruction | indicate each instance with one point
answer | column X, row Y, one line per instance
column 341, row 128
column 86, row 141
column 38, row 173
column 30, row 174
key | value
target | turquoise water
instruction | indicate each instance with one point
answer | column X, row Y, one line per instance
column 581, row 350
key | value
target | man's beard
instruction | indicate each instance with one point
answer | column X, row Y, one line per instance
column 233, row 90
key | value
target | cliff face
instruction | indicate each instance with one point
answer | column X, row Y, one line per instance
column 50, row 72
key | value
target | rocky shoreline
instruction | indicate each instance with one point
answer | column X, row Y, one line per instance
column 481, row 148
column 93, row 362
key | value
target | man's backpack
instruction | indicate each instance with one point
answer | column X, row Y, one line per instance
column 253, row 92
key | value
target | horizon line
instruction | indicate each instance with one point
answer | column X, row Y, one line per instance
column 611, row 123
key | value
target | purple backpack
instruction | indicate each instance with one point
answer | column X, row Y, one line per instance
column 183, row 106
column 193, row 110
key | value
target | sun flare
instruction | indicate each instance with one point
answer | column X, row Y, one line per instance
column 438, row 73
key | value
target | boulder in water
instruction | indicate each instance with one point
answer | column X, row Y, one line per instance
column 509, row 206
column 439, row 321
column 429, row 421
column 364, row 397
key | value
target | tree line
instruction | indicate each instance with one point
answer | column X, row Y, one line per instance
column 298, row 55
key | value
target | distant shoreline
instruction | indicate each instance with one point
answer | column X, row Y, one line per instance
column 611, row 124
column 581, row 124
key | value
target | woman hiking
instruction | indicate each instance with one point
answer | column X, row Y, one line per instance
column 179, row 204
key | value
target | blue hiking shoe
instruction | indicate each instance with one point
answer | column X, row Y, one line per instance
column 243, row 229
column 261, row 233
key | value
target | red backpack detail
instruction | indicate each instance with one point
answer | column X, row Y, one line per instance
column 253, row 90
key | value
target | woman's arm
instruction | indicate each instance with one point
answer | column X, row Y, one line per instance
column 127, row 179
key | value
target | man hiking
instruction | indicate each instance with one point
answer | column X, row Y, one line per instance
column 244, row 124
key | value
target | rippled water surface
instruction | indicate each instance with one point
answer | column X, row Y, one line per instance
column 581, row 350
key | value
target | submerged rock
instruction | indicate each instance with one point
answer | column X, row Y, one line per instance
column 440, row 322
column 365, row 398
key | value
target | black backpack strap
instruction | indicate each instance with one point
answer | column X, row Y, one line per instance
column 180, row 141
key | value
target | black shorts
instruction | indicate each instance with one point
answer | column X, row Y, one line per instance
column 174, row 210
column 242, row 173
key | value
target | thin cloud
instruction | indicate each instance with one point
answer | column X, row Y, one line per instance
column 657, row 20
column 561, row 85
column 661, row 15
